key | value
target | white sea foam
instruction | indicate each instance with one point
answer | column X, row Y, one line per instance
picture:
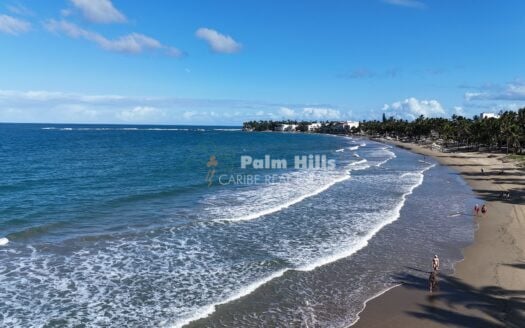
column 358, row 162
column 372, row 298
column 4, row 241
column 354, row 148
column 340, row 150
column 253, row 216
column 123, row 129
column 391, row 155
column 227, row 129
column 205, row 311
column 392, row 217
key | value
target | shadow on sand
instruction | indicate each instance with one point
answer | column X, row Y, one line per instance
column 499, row 307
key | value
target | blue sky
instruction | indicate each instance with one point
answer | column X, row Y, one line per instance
column 227, row 61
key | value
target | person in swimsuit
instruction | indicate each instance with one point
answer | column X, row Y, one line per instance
column 435, row 263
column 483, row 209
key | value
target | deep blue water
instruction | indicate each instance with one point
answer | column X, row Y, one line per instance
column 118, row 226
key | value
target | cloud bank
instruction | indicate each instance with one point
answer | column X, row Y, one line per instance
column 411, row 108
column 62, row 107
column 514, row 91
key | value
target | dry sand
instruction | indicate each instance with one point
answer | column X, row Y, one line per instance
column 488, row 287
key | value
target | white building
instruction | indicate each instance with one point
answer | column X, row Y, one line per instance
column 488, row 115
column 286, row 127
column 351, row 124
column 347, row 124
column 314, row 127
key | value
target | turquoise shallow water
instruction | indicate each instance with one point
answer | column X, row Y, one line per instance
column 117, row 225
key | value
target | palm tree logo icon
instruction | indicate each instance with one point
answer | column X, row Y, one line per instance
column 212, row 164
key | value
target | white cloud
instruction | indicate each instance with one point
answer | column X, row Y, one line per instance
column 66, row 107
column 406, row 3
column 13, row 26
column 514, row 91
column 189, row 114
column 412, row 108
column 458, row 110
column 99, row 11
column 132, row 43
column 321, row 113
column 308, row 113
column 218, row 42
column 286, row 112
column 141, row 114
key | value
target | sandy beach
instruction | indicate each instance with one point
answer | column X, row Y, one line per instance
column 488, row 286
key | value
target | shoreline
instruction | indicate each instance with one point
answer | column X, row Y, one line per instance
column 487, row 288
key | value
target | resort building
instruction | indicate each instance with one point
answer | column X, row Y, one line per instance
column 347, row 125
column 351, row 124
column 314, row 127
column 488, row 115
column 286, row 127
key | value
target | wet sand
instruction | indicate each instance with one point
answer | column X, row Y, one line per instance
column 488, row 287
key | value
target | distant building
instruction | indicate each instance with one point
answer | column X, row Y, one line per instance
column 314, row 127
column 351, row 124
column 488, row 115
column 347, row 125
column 286, row 127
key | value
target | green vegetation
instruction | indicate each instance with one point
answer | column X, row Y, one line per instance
column 328, row 127
column 506, row 133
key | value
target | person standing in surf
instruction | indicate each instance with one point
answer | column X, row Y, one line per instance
column 435, row 263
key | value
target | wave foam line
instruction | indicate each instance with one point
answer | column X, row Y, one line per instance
column 392, row 156
column 396, row 213
column 287, row 204
column 129, row 129
column 4, row 241
column 354, row 148
column 207, row 310
column 227, row 129
column 340, row 150
column 370, row 299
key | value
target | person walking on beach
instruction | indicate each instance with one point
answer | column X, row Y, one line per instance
column 483, row 209
column 435, row 263
column 476, row 209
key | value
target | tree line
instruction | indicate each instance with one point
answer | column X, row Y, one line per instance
column 504, row 133
column 329, row 127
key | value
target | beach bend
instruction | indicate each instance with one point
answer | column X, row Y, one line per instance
column 488, row 286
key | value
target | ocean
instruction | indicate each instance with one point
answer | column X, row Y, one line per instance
column 148, row 226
